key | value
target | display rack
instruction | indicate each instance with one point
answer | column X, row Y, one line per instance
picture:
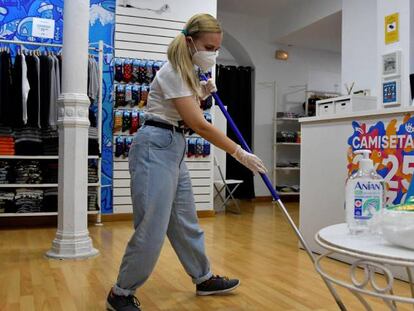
column 199, row 166
column 284, row 174
column 285, row 150
column 96, row 52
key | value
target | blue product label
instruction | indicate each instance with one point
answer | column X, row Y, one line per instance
column 367, row 199
column 358, row 208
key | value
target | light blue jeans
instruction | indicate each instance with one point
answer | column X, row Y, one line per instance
column 163, row 204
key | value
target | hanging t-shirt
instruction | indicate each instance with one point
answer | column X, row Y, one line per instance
column 17, row 101
column 5, row 89
column 46, row 66
column 166, row 86
column 25, row 89
column 37, row 61
column 33, row 101
column 53, row 92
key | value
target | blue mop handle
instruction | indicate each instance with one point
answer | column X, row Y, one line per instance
column 275, row 196
column 241, row 139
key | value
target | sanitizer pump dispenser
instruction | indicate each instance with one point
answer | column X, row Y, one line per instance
column 365, row 195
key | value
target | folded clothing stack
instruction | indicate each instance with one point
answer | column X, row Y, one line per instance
column 288, row 115
column 287, row 137
column 28, row 200
column 7, row 146
column 50, row 137
column 7, row 202
column 93, row 133
column 50, row 172
column 92, row 172
column 92, row 199
column 92, row 115
column 6, row 173
column 28, row 172
column 93, row 142
column 93, row 147
column 288, row 188
column 50, row 200
column 28, row 141
column 287, row 164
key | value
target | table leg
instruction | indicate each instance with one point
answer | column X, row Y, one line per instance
column 410, row 279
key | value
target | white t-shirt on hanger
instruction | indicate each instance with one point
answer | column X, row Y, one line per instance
column 166, row 86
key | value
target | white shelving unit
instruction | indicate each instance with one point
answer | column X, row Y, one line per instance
column 287, row 144
column 22, row 157
column 294, row 99
column 287, row 168
column 28, row 185
column 38, row 214
column 99, row 50
column 284, row 174
column 288, row 193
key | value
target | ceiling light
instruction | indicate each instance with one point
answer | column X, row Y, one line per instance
column 281, row 55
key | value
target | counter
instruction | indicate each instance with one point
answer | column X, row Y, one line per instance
column 326, row 160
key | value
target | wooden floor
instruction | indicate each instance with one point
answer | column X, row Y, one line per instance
column 258, row 247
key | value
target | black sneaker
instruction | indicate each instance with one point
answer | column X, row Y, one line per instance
column 217, row 285
column 122, row 303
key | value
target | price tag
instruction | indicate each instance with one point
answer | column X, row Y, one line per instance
column 43, row 28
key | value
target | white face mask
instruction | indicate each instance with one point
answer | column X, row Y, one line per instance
column 204, row 59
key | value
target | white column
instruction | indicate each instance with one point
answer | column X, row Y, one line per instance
column 72, row 238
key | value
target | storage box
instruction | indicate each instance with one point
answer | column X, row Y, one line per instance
column 326, row 109
column 343, row 106
column 346, row 105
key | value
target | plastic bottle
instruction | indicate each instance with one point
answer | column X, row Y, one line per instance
column 365, row 196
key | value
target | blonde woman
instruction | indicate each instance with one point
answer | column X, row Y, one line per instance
column 162, row 197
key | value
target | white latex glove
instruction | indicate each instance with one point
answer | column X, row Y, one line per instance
column 249, row 160
column 207, row 87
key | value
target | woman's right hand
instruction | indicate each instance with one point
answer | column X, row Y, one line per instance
column 249, row 160
column 207, row 87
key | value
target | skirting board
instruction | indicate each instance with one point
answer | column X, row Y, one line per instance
column 38, row 221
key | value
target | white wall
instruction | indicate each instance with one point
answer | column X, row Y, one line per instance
column 179, row 10
column 302, row 65
column 300, row 14
column 226, row 58
column 406, row 10
column 359, row 44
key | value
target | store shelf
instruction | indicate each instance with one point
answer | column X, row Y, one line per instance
column 38, row 214
column 129, row 108
column 94, row 184
column 28, row 185
column 39, row 185
column 23, row 157
column 287, row 144
column 287, row 119
column 40, row 157
column 288, row 168
column 288, row 193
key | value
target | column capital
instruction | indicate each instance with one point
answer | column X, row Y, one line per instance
column 73, row 109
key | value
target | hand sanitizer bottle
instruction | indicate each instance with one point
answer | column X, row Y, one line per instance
column 365, row 195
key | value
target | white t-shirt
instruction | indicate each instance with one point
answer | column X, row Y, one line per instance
column 167, row 85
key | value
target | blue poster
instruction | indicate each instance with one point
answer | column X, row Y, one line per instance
column 16, row 21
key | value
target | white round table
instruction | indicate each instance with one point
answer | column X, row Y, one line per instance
column 372, row 254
